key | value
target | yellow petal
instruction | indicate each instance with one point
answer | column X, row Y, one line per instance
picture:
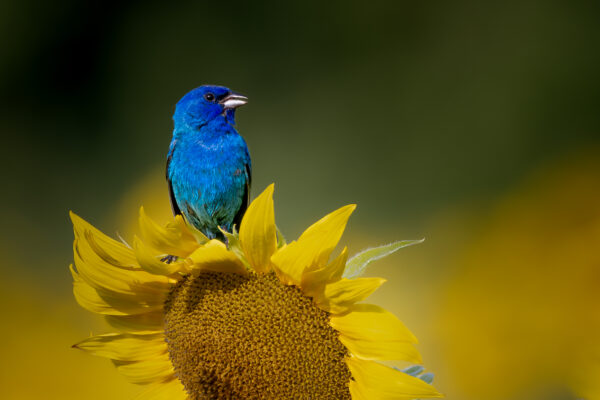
column 150, row 321
column 125, row 346
column 98, row 272
column 329, row 229
column 370, row 321
column 102, row 275
column 175, row 239
column 90, row 299
column 169, row 390
column 288, row 263
column 110, row 250
column 109, row 303
column 339, row 296
column 338, row 266
column 321, row 238
column 151, row 263
column 372, row 350
column 315, row 279
column 313, row 248
column 375, row 381
column 214, row 256
column 258, row 234
column 147, row 371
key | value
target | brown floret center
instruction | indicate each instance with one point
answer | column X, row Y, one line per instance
column 252, row 337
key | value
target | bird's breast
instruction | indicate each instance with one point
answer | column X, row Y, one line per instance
column 210, row 172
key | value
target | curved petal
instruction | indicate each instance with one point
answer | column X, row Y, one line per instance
column 125, row 346
column 315, row 279
column 376, row 381
column 258, row 235
column 313, row 248
column 108, row 303
column 91, row 299
column 370, row 321
column 147, row 371
column 339, row 296
column 102, row 275
column 110, row 250
column 214, row 256
column 175, row 238
column 328, row 231
column 168, row 390
column 153, row 265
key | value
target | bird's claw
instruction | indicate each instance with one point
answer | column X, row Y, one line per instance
column 168, row 259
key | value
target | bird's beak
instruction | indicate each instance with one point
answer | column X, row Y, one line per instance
column 233, row 100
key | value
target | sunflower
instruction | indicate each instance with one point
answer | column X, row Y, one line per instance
column 256, row 318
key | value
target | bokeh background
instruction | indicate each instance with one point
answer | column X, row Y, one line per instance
column 472, row 124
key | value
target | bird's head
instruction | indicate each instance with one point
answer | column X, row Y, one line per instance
column 206, row 104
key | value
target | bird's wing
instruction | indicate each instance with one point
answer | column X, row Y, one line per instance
column 174, row 205
column 237, row 220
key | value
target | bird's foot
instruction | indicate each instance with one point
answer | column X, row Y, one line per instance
column 168, row 259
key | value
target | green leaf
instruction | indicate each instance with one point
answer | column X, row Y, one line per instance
column 357, row 265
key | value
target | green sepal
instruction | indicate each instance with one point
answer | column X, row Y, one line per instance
column 280, row 239
column 233, row 244
column 417, row 372
column 413, row 370
column 200, row 237
column 427, row 377
column 357, row 265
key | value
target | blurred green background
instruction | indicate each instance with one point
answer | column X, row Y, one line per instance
column 472, row 124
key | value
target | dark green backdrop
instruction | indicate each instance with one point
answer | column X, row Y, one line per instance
column 406, row 109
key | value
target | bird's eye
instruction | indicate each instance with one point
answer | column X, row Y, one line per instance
column 209, row 96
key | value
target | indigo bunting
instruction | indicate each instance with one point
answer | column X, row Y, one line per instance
column 208, row 164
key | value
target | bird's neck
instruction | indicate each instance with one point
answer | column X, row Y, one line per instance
column 214, row 130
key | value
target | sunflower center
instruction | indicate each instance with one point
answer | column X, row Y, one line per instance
column 252, row 337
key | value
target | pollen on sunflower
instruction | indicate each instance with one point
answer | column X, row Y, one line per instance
column 254, row 319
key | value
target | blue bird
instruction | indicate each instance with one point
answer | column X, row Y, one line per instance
column 208, row 164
